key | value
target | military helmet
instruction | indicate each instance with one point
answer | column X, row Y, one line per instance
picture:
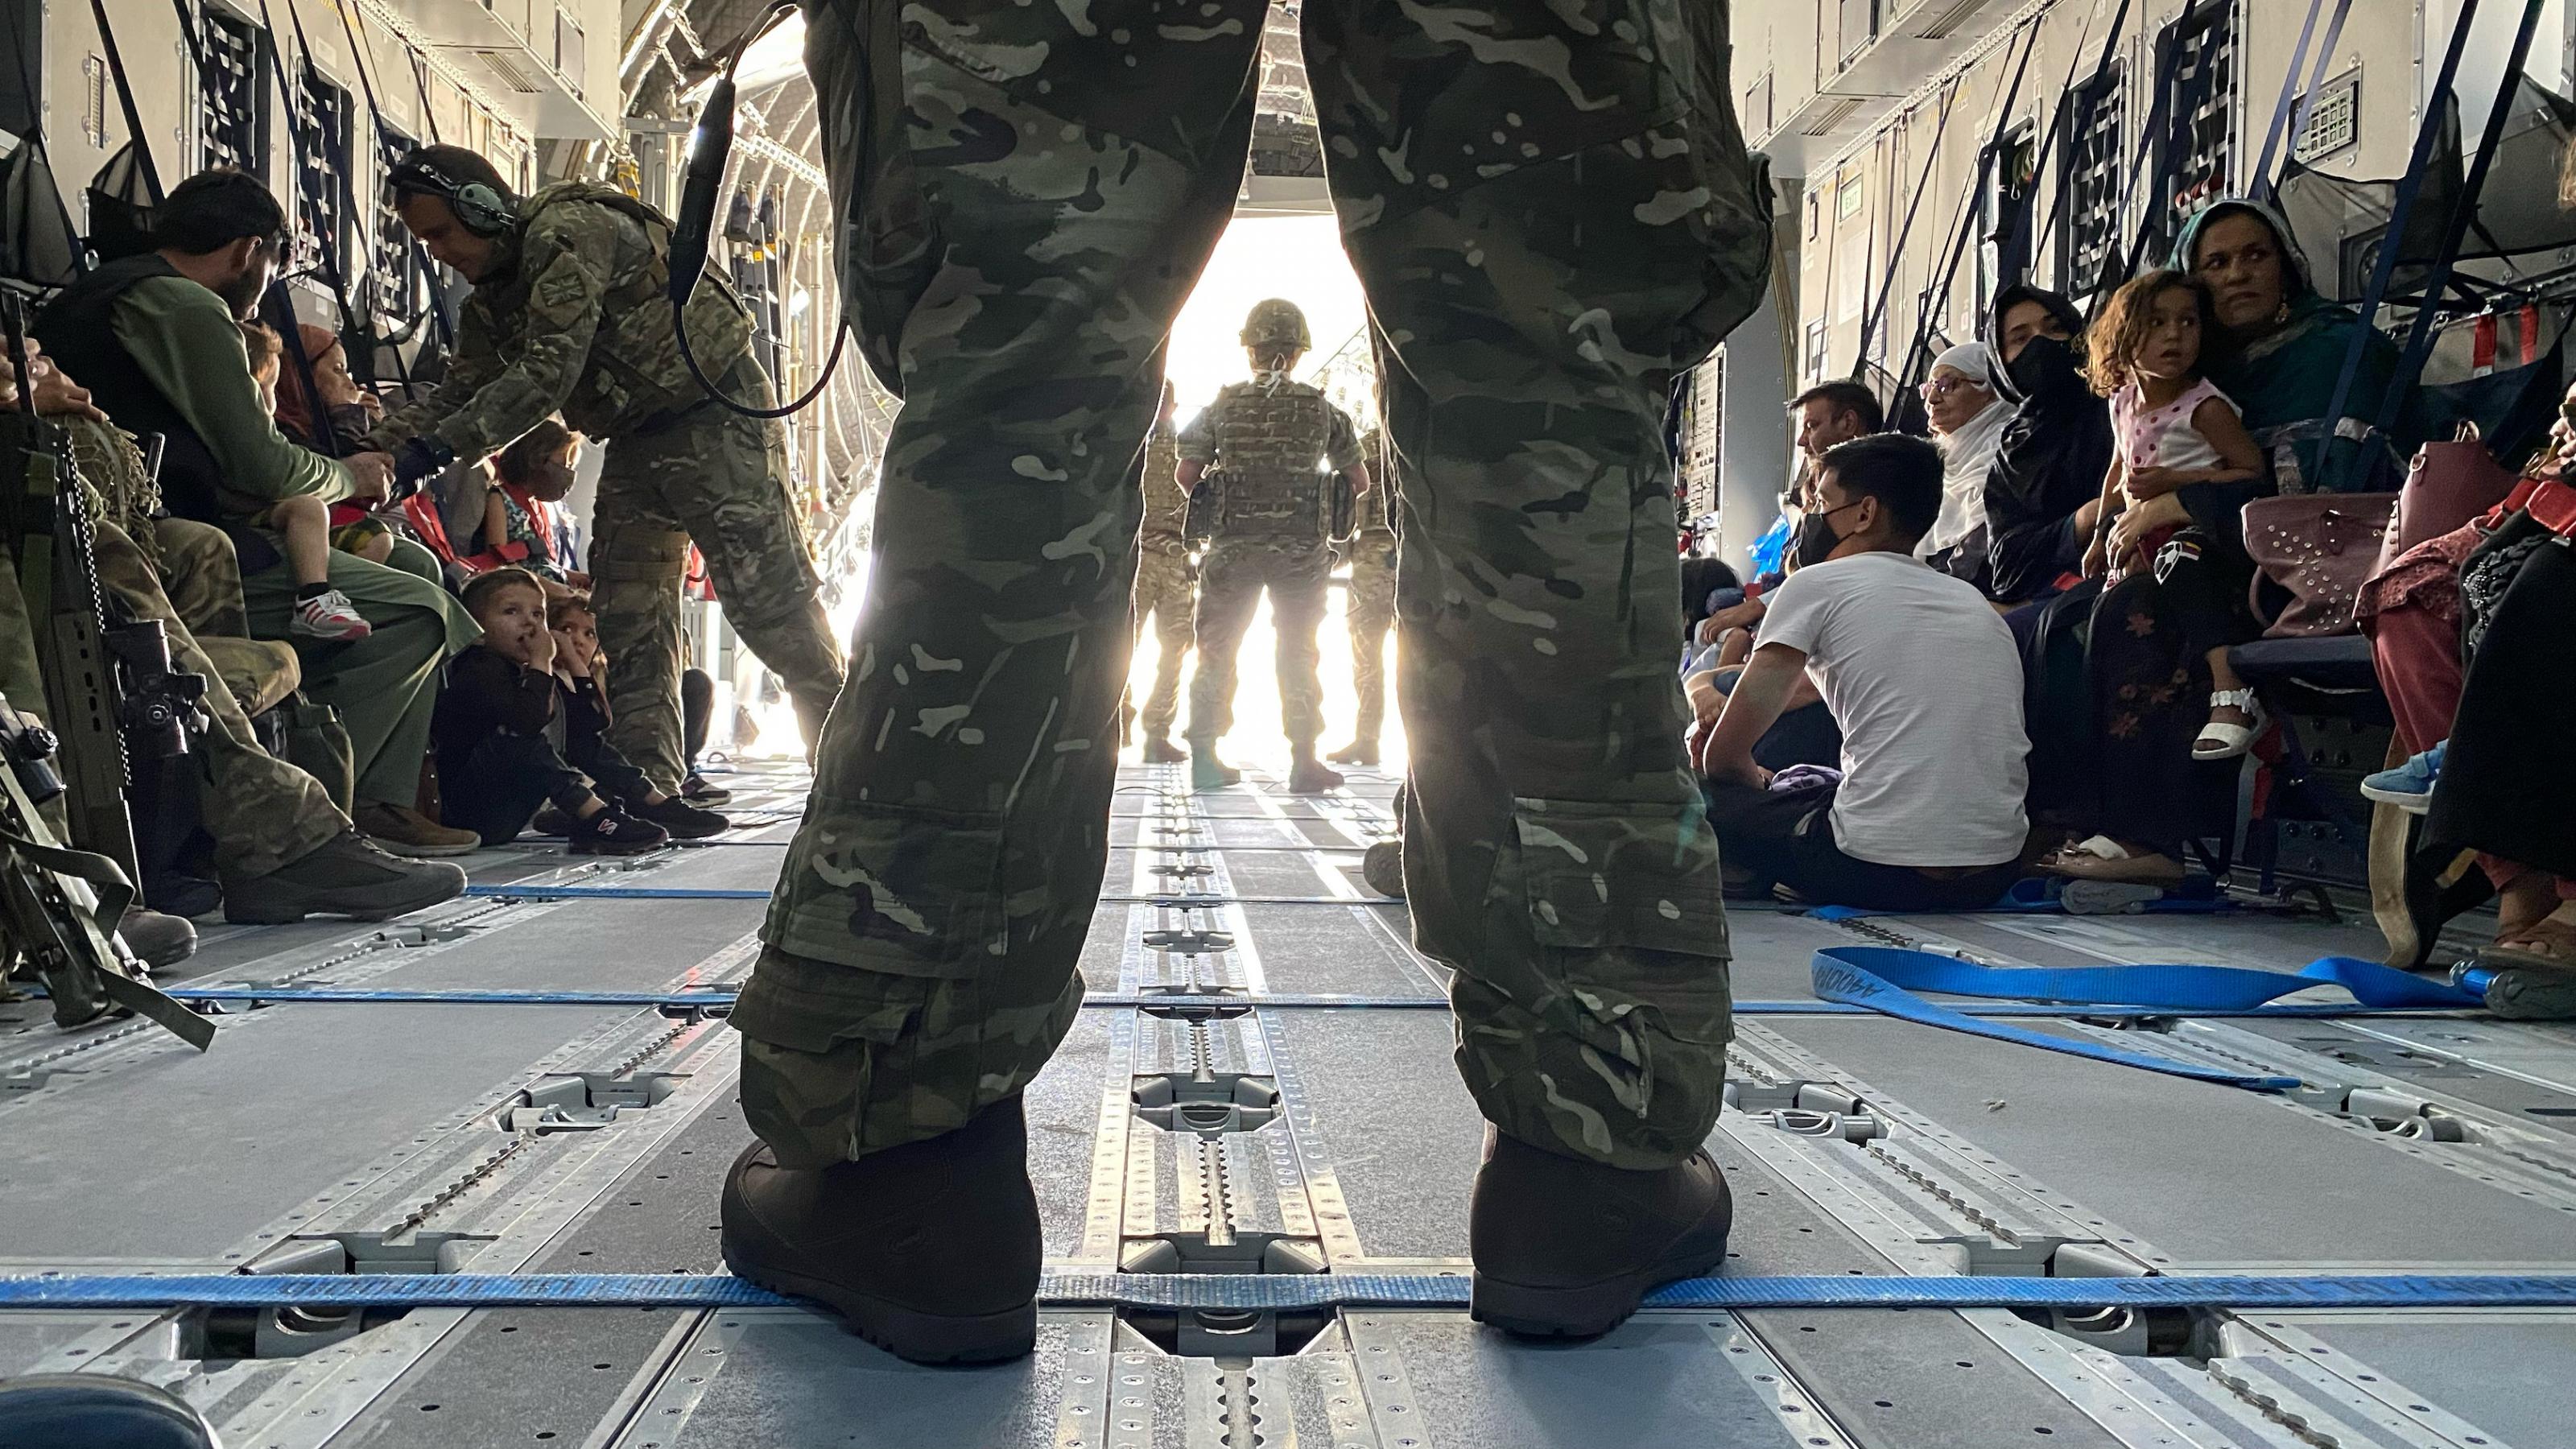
column 1277, row 323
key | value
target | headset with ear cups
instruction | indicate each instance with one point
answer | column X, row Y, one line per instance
column 479, row 209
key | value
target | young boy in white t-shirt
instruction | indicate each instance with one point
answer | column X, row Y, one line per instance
column 1921, row 675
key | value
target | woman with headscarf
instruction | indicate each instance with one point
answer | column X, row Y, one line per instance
column 2280, row 349
column 1967, row 425
column 2277, row 351
column 2042, row 491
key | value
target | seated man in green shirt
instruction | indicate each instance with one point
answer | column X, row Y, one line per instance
column 156, row 340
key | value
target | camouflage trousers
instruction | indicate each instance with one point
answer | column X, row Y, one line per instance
column 1552, row 210
column 1163, row 593
column 261, row 811
column 720, row 479
column 1371, row 612
column 1231, row 582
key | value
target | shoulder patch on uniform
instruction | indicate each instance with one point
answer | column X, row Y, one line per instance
column 560, row 287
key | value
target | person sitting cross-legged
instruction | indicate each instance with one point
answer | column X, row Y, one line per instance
column 1922, row 679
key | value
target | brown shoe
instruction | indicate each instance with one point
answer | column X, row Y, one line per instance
column 930, row 1250
column 1310, row 776
column 406, row 831
column 1566, row 1248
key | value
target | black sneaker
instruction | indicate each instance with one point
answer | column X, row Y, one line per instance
column 697, row 790
column 344, row 876
column 683, row 820
column 614, row 832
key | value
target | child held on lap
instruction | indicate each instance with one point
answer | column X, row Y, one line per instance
column 496, row 761
column 303, row 523
column 2171, row 430
column 1924, row 681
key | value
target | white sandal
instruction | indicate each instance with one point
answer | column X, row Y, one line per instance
column 2220, row 741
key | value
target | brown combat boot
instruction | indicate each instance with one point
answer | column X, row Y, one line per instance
column 1361, row 751
column 930, row 1250
column 1310, row 776
column 1159, row 750
column 1565, row 1248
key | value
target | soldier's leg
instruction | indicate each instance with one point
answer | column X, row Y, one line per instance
column 1539, row 292
column 1229, row 590
column 1300, row 583
column 1027, row 193
column 638, row 555
column 262, row 811
column 1163, row 589
column 1372, row 613
column 201, row 574
column 725, row 478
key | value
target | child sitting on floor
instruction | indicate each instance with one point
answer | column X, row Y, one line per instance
column 302, row 523
column 496, row 764
column 581, row 677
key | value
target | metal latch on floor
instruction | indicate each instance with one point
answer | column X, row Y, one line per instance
column 1207, row 1103
column 2403, row 1114
column 1808, row 1109
column 1190, row 943
column 586, row 1101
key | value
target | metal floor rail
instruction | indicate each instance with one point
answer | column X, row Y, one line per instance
column 1252, row 1157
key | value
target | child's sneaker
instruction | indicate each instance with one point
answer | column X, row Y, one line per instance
column 614, row 832
column 2409, row 786
column 698, row 790
column 684, row 820
column 329, row 615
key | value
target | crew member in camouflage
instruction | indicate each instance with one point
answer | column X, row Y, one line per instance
column 1257, row 449
column 1371, row 603
column 1166, row 578
column 569, row 315
column 1552, row 210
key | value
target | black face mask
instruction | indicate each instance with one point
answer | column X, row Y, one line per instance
column 2043, row 360
column 1816, row 537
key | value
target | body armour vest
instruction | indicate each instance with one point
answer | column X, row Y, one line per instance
column 1270, row 444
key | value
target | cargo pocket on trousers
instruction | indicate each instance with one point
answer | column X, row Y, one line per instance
column 1624, row 901
column 897, row 888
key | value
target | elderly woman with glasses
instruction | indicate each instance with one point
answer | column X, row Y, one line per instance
column 1968, row 421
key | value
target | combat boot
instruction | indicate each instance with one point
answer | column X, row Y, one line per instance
column 1207, row 772
column 344, row 876
column 1565, row 1247
column 155, row 939
column 1383, row 868
column 1358, row 752
column 930, row 1250
column 1159, row 750
column 1310, row 776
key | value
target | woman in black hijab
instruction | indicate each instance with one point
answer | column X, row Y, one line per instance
column 2047, row 479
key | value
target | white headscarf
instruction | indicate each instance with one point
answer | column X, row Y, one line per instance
column 1967, row 455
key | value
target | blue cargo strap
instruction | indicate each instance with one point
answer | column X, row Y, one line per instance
column 1884, row 979
column 1294, row 1291
column 721, row 998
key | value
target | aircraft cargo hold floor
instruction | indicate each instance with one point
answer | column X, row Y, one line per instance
column 1217, row 1127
